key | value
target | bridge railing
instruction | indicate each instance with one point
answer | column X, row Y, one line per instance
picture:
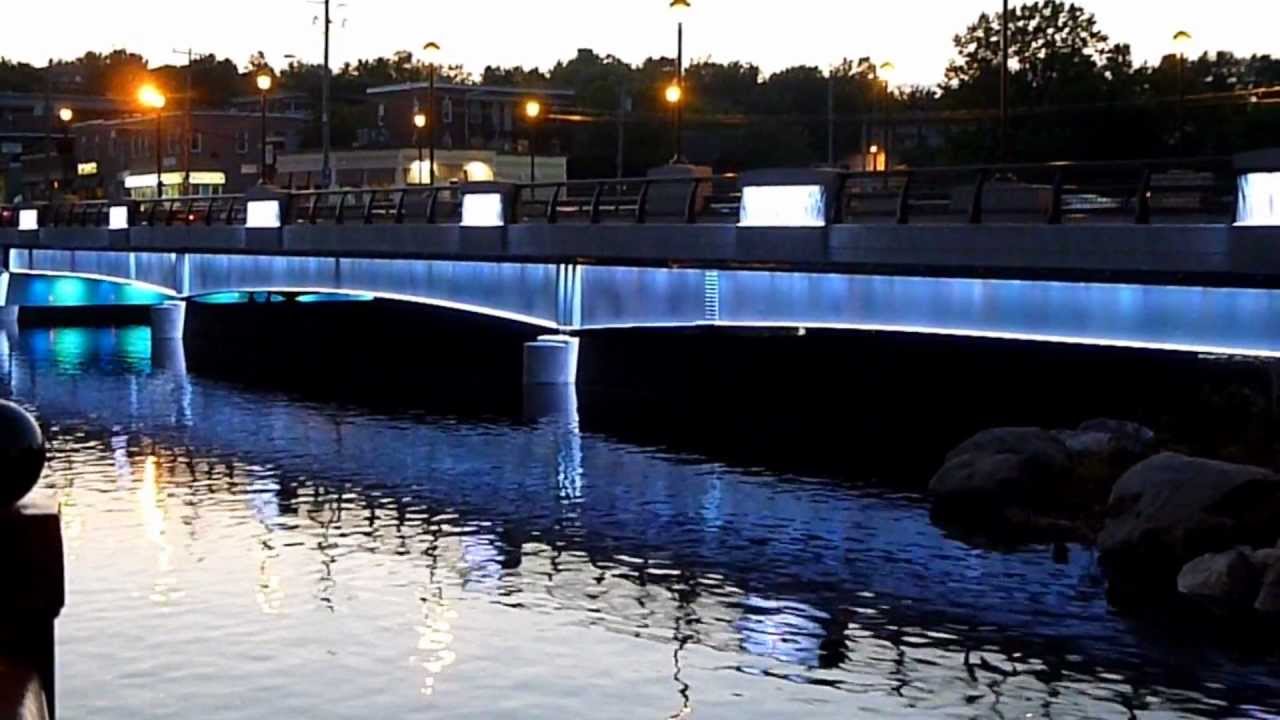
column 685, row 199
column 1201, row 190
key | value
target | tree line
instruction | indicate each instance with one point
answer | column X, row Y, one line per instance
column 1073, row 94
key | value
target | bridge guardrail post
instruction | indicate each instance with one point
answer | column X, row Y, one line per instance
column 642, row 201
column 1055, row 200
column 904, row 202
column 553, row 206
column 594, row 214
column 1142, row 215
column 979, row 188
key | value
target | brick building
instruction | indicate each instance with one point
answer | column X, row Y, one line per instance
column 118, row 157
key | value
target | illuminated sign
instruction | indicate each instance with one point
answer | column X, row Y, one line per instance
column 1259, row 202
column 134, row 182
column 483, row 210
column 29, row 219
column 118, row 217
column 86, row 168
column 262, row 214
column 783, row 206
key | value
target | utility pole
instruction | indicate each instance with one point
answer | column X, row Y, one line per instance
column 48, row 132
column 1004, row 82
column 831, row 118
column 623, row 101
column 187, row 128
column 325, row 169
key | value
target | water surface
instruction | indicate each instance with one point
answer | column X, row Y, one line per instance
column 238, row 553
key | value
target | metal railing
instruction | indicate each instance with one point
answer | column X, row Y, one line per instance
column 1201, row 190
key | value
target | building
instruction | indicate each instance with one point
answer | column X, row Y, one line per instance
column 118, row 157
column 467, row 117
column 35, row 150
column 399, row 166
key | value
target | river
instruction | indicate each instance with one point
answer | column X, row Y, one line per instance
column 241, row 552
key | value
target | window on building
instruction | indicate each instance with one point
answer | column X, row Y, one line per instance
column 382, row 114
column 197, row 142
column 446, row 111
column 242, row 141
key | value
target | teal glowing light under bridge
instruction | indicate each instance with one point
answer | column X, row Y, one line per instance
column 69, row 291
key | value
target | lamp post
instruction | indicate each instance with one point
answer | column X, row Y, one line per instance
column 884, row 74
column 264, row 86
column 532, row 111
column 419, row 122
column 150, row 96
column 680, row 8
column 66, row 115
column 674, row 95
column 431, row 51
column 1181, row 41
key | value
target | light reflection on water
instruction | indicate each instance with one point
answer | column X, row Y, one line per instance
column 243, row 554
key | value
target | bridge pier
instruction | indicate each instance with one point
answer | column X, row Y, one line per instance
column 8, row 313
column 551, row 360
column 168, row 321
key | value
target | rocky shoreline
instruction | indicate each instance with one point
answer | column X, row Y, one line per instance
column 1164, row 524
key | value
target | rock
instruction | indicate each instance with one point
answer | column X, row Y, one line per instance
column 1227, row 579
column 1005, row 467
column 1171, row 508
column 1141, row 439
column 1269, row 597
column 1264, row 559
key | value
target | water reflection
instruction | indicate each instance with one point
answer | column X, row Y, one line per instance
column 450, row 556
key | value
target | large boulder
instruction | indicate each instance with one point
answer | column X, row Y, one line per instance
column 1227, row 580
column 1171, row 509
column 1002, row 468
column 1269, row 597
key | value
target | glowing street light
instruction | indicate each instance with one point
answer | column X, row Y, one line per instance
column 674, row 94
column 419, row 122
column 66, row 114
column 150, row 96
column 532, row 111
column 264, row 81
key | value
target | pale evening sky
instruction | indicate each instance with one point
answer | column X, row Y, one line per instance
column 914, row 34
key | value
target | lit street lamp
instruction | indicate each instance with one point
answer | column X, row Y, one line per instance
column 532, row 111
column 264, row 86
column 150, row 96
column 431, row 52
column 419, row 122
column 675, row 93
column 883, row 73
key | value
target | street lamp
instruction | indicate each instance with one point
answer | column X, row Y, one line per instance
column 264, row 81
column 1181, row 42
column 883, row 74
column 66, row 114
column 532, row 111
column 419, row 122
column 150, row 96
column 431, row 52
column 679, row 8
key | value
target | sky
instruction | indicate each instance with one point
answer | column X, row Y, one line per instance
column 914, row 34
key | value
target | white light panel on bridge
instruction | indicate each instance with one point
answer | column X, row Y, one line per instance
column 118, row 217
column 29, row 219
column 783, row 206
column 1259, row 199
column 483, row 210
column 263, row 214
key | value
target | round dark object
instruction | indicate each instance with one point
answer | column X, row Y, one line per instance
column 21, row 453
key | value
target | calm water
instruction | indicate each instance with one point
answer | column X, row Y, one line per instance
column 235, row 553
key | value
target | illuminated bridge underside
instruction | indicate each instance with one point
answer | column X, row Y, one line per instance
column 583, row 297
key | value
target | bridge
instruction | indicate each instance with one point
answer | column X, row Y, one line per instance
column 1169, row 254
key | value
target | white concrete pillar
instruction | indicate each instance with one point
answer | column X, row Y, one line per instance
column 168, row 321
column 551, row 360
column 8, row 313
